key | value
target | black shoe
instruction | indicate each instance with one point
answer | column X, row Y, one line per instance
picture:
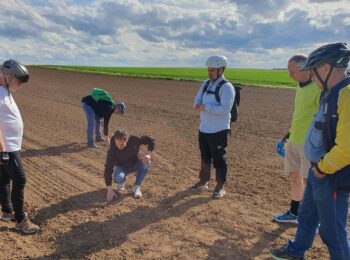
column 281, row 254
column 219, row 191
column 92, row 146
column 199, row 186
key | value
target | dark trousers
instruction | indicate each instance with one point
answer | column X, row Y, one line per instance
column 14, row 172
column 213, row 149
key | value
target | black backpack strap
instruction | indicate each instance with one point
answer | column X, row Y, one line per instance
column 218, row 86
column 205, row 87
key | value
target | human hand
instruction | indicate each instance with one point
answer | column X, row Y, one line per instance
column 110, row 193
column 280, row 148
column 107, row 140
column 318, row 174
column 196, row 106
column 146, row 159
column 201, row 107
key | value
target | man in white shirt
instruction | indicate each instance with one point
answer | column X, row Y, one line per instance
column 214, row 101
column 13, row 75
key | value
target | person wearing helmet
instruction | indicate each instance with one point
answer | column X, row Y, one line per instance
column 327, row 147
column 94, row 111
column 214, row 124
column 305, row 106
column 13, row 75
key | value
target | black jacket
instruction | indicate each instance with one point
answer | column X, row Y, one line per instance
column 103, row 109
column 127, row 157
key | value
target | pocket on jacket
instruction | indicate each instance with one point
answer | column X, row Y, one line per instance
column 316, row 135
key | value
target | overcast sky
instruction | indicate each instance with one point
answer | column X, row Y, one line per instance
column 168, row 33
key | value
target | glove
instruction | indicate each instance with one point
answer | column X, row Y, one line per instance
column 280, row 148
column 4, row 158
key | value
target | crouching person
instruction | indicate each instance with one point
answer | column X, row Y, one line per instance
column 123, row 158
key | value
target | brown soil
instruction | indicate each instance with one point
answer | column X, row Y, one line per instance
column 65, row 191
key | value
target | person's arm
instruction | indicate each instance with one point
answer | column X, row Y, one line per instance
column 339, row 156
column 106, row 118
column 227, row 96
column 109, row 166
column 198, row 98
column 105, row 111
column 150, row 141
column 2, row 144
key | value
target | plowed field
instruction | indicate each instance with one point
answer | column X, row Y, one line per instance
column 65, row 192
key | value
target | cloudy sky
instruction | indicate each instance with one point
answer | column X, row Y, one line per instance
column 163, row 33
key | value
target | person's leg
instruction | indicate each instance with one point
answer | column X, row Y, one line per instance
column 341, row 201
column 218, row 144
column 299, row 180
column 333, row 214
column 90, row 117
column 206, row 158
column 17, row 174
column 292, row 164
column 98, row 137
column 120, row 175
column 308, row 220
column 141, row 170
column 296, row 191
column 5, row 190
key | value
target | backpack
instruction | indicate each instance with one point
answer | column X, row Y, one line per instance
column 236, row 101
column 98, row 94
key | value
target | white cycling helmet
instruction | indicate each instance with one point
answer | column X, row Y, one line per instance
column 216, row 62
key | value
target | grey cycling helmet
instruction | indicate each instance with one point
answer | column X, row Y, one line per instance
column 335, row 54
column 216, row 62
column 18, row 70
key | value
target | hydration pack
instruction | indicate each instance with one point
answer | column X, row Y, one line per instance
column 236, row 102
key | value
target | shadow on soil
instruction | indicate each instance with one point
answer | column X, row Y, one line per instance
column 85, row 201
column 54, row 150
column 90, row 237
column 231, row 248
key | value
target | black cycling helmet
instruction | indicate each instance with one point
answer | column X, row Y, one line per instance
column 335, row 54
column 18, row 70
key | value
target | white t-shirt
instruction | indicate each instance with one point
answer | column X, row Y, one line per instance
column 11, row 124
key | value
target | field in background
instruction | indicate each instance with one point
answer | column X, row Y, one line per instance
column 257, row 77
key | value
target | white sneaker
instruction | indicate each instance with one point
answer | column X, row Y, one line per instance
column 137, row 191
column 121, row 188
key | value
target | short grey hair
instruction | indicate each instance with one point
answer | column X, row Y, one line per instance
column 298, row 59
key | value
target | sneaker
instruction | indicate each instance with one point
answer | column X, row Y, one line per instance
column 219, row 192
column 7, row 216
column 92, row 146
column 137, row 191
column 286, row 217
column 199, row 186
column 26, row 226
column 121, row 188
column 281, row 254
